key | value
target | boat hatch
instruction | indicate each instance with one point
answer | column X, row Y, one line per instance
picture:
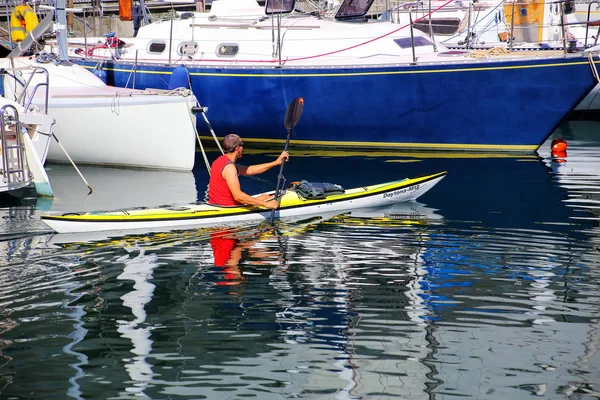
column 407, row 43
column 279, row 6
column 439, row 26
column 352, row 9
column 187, row 49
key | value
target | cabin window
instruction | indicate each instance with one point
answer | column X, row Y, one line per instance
column 279, row 6
column 439, row 26
column 227, row 49
column 157, row 47
column 406, row 43
column 187, row 49
column 351, row 9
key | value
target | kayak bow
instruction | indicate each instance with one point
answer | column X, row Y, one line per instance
column 292, row 205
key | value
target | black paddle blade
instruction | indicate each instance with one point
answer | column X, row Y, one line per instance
column 293, row 113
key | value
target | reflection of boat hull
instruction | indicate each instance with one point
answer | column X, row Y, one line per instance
column 292, row 205
column 401, row 214
column 119, row 187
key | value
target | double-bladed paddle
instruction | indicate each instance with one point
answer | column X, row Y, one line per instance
column 292, row 115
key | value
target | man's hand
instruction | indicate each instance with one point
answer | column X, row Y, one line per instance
column 272, row 204
column 284, row 156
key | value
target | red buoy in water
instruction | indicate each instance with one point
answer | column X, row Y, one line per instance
column 559, row 145
column 559, row 156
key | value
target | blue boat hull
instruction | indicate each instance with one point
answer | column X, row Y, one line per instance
column 478, row 106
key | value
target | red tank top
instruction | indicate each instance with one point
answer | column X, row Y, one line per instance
column 218, row 191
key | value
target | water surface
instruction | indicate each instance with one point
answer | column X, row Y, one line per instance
column 485, row 288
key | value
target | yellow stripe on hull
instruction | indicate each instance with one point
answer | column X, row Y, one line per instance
column 400, row 146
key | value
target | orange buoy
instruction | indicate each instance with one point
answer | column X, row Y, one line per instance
column 559, row 145
column 559, row 156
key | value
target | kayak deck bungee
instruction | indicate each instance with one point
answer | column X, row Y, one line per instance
column 292, row 204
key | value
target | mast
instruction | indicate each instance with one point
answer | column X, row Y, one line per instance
column 61, row 30
column 144, row 12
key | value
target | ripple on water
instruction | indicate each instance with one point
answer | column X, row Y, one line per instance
column 412, row 302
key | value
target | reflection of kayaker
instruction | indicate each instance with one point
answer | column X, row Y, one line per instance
column 227, row 253
column 229, row 248
column 22, row 22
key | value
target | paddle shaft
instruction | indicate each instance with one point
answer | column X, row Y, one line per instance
column 280, row 176
column 292, row 115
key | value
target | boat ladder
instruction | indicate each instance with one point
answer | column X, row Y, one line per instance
column 15, row 174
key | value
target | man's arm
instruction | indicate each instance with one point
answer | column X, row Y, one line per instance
column 260, row 168
column 230, row 174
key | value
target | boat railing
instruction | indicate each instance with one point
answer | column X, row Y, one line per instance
column 412, row 32
column 396, row 8
column 22, row 92
column 564, row 8
column 418, row 8
column 417, row 5
column 515, row 17
column 591, row 23
column 13, row 151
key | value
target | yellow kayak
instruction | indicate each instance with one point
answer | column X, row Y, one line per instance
column 299, row 200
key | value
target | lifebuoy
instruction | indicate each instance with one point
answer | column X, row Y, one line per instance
column 17, row 31
column 31, row 20
column 22, row 21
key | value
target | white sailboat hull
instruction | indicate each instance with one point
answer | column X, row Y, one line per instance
column 125, row 130
column 105, row 125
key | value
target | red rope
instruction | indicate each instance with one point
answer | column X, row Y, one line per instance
column 317, row 55
column 372, row 40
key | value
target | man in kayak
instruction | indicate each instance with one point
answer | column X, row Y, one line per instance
column 224, row 185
